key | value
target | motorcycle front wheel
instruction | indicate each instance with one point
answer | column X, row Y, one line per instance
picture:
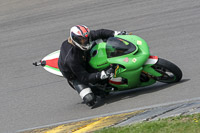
column 171, row 73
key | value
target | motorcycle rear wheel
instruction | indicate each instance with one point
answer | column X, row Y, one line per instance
column 171, row 73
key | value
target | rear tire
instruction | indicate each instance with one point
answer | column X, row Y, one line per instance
column 170, row 72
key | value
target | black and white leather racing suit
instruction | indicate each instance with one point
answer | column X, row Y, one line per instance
column 73, row 65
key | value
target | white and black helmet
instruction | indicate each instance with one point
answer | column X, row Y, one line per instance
column 80, row 36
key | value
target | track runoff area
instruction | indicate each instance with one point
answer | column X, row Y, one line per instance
column 148, row 113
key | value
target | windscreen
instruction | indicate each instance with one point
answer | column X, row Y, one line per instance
column 118, row 47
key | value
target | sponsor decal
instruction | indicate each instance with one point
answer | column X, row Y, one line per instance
column 134, row 60
column 139, row 42
column 126, row 59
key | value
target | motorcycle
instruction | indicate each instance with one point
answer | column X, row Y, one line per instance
column 130, row 58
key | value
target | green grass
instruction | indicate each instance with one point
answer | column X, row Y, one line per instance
column 179, row 124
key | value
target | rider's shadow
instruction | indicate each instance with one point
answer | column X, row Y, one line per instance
column 117, row 96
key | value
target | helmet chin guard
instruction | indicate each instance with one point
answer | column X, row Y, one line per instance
column 82, row 47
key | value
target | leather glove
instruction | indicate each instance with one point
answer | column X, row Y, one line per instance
column 110, row 72
column 105, row 74
column 120, row 33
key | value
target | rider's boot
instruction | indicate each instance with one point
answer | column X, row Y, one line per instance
column 88, row 96
column 85, row 92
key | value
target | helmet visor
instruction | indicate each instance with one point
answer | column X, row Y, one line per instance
column 83, row 41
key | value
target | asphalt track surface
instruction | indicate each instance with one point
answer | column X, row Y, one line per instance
column 29, row 30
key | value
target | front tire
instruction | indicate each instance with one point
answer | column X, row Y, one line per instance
column 170, row 72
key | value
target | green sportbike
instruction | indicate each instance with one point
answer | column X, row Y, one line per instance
column 133, row 65
column 129, row 57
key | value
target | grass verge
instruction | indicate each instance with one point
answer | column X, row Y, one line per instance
column 179, row 124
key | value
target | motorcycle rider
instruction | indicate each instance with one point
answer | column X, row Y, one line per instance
column 72, row 60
